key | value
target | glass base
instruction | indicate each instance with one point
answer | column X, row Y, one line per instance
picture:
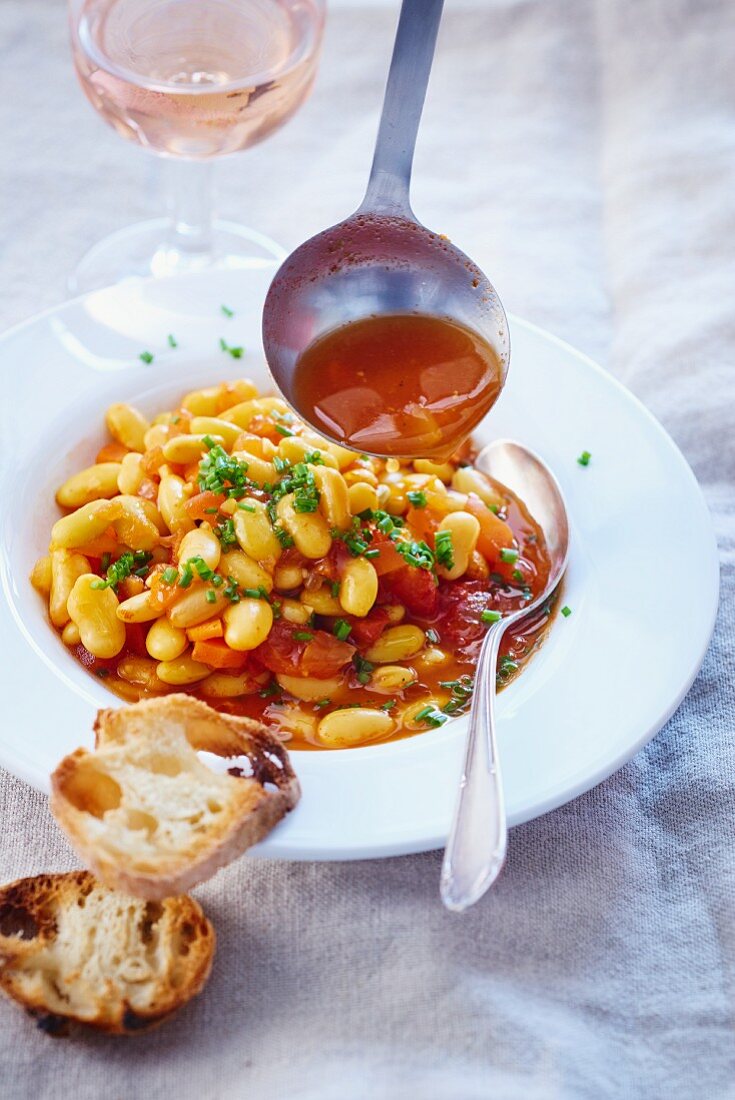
column 152, row 249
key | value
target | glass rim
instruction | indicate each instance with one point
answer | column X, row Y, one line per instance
column 168, row 87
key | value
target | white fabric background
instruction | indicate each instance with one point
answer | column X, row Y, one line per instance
column 584, row 152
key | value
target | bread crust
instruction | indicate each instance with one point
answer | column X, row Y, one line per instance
column 58, row 985
column 255, row 803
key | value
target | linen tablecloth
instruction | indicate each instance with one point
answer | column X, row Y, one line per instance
column 584, row 152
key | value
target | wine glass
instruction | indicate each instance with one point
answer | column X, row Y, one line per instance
column 191, row 80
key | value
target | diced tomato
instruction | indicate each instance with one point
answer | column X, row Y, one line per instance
column 111, row 452
column 495, row 534
column 325, row 655
column 135, row 638
column 106, row 543
column 148, row 489
column 162, row 593
column 460, row 605
column 423, row 524
column 153, row 460
column 196, row 508
column 367, row 631
column 217, row 654
column 322, row 656
column 388, row 559
column 415, row 588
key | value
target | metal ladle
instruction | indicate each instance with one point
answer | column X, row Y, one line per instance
column 381, row 260
column 476, row 847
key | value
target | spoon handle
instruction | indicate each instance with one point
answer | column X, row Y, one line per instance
column 476, row 847
column 405, row 92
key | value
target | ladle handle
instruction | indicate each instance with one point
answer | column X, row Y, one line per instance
column 475, row 851
column 390, row 176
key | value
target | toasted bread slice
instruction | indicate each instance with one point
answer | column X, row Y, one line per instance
column 148, row 816
column 71, row 949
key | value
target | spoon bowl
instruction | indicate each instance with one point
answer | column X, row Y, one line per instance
column 477, row 843
column 368, row 265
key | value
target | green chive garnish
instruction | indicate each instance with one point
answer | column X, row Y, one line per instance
column 566, row 611
column 508, row 555
column 488, row 616
column 303, row 636
column 172, row 343
column 146, row 357
column 584, row 458
column 227, row 311
column 342, row 629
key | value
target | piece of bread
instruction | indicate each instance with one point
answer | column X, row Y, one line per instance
column 71, row 949
column 148, row 816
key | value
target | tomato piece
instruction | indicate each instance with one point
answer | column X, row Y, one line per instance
column 388, row 559
column 163, row 594
column 153, row 460
column 321, row 656
column 325, row 655
column 495, row 534
column 423, row 524
column 415, row 588
column 367, row 631
column 135, row 638
column 148, row 490
column 196, row 507
column 460, row 605
column 217, row 654
column 111, row 452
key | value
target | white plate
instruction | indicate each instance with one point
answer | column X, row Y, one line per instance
column 642, row 581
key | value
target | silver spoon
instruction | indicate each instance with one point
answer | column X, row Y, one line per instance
column 381, row 260
column 476, row 847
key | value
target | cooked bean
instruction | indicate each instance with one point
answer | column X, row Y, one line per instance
column 95, row 483
column 66, row 568
column 41, row 575
column 255, row 534
column 309, row 688
column 247, row 572
column 195, row 606
column 94, row 610
column 127, row 425
column 86, row 524
column 201, row 543
column 247, row 624
column 182, row 671
column 358, row 588
column 343, row 728
column 139, row 609
column 309, row 530
column 164, row 641
column 392, row 678
column 397, row 643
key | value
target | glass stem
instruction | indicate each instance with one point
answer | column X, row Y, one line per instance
column 190, row 202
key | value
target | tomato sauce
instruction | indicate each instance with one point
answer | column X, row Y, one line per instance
column 401, row 385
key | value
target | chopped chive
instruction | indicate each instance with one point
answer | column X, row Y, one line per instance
column 217, row 581
column 508, row 555
column 489, row 616
column 211, row 596
column 172, row 342
column 170, row 574
column 432, row 635
column 432, row 716
column 388, row 704
column 566, row 611
column 252, row 593
column 211, row 511
column 283, row 430
column 246, row 507
column 342, row 629
column 186, row 577
column 227, row 311
column 303, row 636
column 146, row 357
column 334, row 588
column 584, row 458
column 417, row 497
column 236, row 353
column 518, row 576
column 322, row 703
column 443, row 548
column 371, row 554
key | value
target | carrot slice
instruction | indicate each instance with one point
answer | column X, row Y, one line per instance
column 217, row 654
column 211, row 629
